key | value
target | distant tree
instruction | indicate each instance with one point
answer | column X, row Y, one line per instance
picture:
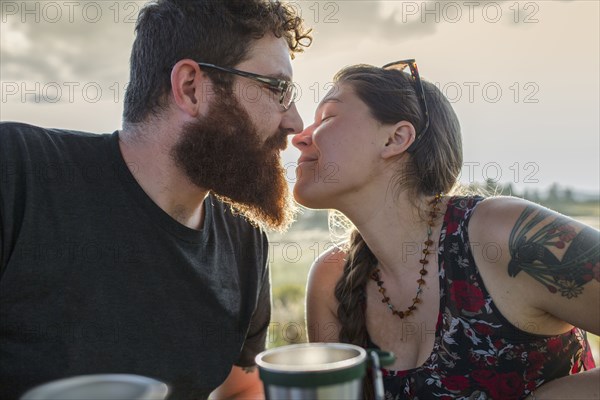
column 554, row 194
column 568, row 195
column 534, row 196
column 508, row 190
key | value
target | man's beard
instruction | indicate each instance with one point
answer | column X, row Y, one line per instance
column 222, row 152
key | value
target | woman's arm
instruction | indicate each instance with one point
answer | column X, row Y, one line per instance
column 581, row 386
column 548, row 273
column 321, row 305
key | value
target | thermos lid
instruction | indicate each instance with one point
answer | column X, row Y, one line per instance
column 312, row 364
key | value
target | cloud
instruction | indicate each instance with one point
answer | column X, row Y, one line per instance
column 348, row 22
column 91, row 40
column 71, row 41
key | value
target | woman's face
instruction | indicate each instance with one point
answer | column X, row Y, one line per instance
column 340, row 151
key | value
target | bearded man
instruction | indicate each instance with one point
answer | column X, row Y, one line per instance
column 144, row 251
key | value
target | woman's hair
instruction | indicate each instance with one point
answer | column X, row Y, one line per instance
column 433, row 167
column 391, row 96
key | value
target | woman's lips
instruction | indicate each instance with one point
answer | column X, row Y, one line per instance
column 302, row 160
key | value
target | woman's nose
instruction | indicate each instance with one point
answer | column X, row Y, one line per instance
column 304, row 138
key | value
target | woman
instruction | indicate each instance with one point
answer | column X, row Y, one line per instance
column 478, row 298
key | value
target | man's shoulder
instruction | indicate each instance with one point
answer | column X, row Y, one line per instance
column 13, row 130
column 19, row 139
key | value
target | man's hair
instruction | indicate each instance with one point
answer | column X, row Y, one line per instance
column 219, row 32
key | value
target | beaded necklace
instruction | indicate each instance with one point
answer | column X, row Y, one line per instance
column 376, row 276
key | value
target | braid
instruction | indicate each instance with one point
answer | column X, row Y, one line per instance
column 350, row 293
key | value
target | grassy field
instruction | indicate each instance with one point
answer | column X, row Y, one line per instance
column 292, row 254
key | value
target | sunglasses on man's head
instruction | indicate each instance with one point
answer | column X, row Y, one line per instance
column 414, row 72
column 286, row 89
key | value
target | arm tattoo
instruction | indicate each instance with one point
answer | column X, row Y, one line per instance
column 530, row 242
column 250, row 369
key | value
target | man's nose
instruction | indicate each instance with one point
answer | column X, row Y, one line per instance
column 292, row 122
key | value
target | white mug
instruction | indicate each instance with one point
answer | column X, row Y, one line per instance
column 101, row 386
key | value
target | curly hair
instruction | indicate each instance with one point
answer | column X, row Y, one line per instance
column 220, row 32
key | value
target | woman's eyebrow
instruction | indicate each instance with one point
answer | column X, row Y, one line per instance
column 331, row 99
column 326, row 100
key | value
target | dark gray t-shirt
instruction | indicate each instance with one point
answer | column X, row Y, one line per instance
column 96, row 278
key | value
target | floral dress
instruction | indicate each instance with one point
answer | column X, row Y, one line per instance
column 477, row 353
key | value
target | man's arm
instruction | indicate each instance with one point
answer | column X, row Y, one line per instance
column 242, row 383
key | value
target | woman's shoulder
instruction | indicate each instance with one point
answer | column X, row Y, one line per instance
column 321, row 303
column 495, row 217
column 329, row 265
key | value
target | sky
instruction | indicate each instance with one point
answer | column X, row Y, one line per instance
column 523, row 76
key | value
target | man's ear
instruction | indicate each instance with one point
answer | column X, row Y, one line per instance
column 191, row 88
column 401, row 136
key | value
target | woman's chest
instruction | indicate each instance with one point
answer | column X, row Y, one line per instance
column 410, row 338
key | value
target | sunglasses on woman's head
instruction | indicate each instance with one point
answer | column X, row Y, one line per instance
column 414, row 72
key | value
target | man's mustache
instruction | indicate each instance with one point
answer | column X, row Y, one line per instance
column 277, row 142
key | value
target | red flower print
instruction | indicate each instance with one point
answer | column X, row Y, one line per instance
column 491, row 360
column 575, row 368
column 500, row 386
column 466, row 296
column 588, row 361
column 536, row 359
column 508, row 386
column 532, row 374
column 452, row 226
column 483, row 329
column 456, row 383
column 554, row 345
column 484, row 377
column 499, row 343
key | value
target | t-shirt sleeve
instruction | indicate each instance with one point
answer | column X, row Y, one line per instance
column 10, row 174
column 3, row 180
column 259, row 324
column 1, row 238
